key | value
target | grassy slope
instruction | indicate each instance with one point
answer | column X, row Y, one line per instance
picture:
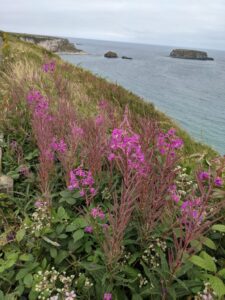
column 84, row 89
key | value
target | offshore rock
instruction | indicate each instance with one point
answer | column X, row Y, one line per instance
column 111, row 54
column 190, row 54
column 126, row 57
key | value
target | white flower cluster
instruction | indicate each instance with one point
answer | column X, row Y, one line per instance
column 106, row 194
column 183, row 182
column 41, row 218
column 87, row 284
column 53, row 285
column 206, row 294
column 151, row 255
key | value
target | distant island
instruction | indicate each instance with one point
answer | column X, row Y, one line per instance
column 190, row 54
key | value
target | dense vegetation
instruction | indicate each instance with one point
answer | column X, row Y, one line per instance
column 111, row 199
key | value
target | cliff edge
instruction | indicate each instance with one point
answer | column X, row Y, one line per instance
column 53, row 44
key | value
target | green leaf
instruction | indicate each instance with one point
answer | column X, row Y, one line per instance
column 202, row 263
column 62, row 214
column 28, row 280
column 78, row 235
column 217, row 285
column 21, row 274
column 26, row 257
column 209, row 260
column 53, row 252
column 222, row 273
column 20, row 235
column 61, row 256
column 77, row 224
column 219, row 227
column 131, row 272
column 31, row 155
column 209, row 243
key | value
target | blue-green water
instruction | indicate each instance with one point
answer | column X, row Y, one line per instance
column 191, row 92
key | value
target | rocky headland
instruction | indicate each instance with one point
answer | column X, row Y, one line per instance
column 190, row 54
column 53, row 44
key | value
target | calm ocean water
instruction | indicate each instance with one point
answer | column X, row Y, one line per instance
column 191, row 92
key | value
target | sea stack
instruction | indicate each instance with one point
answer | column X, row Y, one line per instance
column 111, row 54
column 190, row 54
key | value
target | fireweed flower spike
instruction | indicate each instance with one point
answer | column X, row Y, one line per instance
column 168, row 143
column 127, row 144
column 60, row 146
column 83, row 181
column 41, row 124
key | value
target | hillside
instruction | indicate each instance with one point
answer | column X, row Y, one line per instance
column 101, row 195
column 94, row 88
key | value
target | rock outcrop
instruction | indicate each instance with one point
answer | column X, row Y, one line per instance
column 111, row 54
column 126, row 57
column 190, row 54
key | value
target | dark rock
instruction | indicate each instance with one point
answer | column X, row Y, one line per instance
column 126, row 57
column 190, row 54
column 111, row 54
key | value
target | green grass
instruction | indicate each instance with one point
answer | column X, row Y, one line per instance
column 83, row 88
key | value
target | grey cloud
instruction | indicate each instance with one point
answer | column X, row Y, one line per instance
column 177, row 22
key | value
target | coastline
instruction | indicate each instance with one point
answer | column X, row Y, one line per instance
column 71, row 53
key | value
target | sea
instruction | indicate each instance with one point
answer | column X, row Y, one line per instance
column 192, row 92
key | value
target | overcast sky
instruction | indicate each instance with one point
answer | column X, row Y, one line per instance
column 190, row 23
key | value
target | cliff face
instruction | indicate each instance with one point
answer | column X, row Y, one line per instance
column 50, row 43
column 190, row 54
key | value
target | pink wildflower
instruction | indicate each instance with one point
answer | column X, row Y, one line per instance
column 99, row 120
column 97, row 213
column 103, row 104
column 218, row 181
column 107, row 296
column 192, row 208
column 83, row 181
column 129, row 145
column 111, row 156
column 168, row 143
column 60, row 146
column 173, row 193
column 203, row 175
column 77, row 131
column 39, row 104
column 88, row 229
column 49, row 67
column 39, row 203
column 70, row 295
